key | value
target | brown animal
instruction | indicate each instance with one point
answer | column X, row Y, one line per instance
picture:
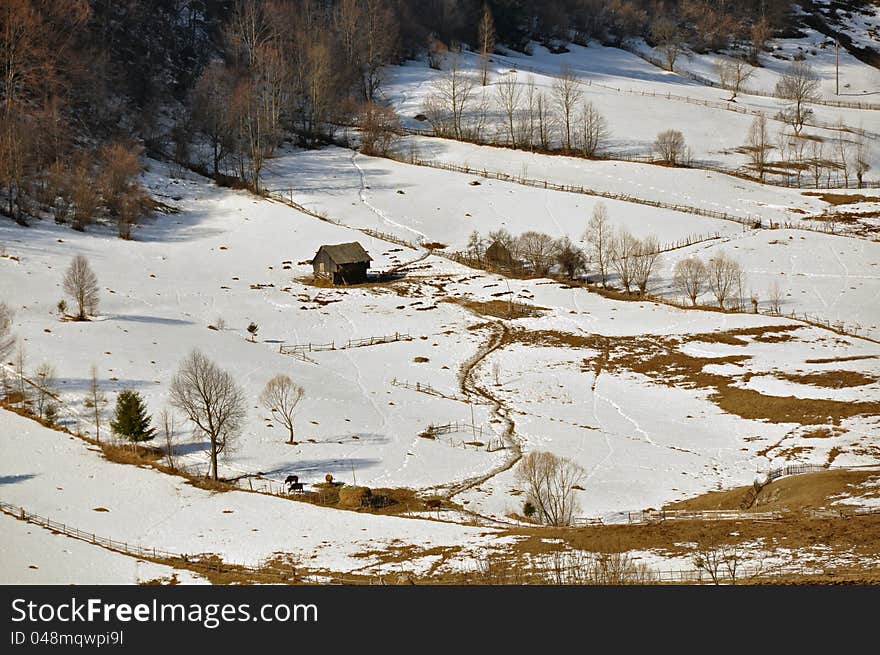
column 293, row 484
column 328, row 478
column 433, row 503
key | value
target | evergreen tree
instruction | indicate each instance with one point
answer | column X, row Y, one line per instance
column 131, row 419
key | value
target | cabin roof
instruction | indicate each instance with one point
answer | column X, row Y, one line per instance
column 345, row 253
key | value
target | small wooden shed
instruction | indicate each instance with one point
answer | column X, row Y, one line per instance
column 499, row 254
column 343, row 263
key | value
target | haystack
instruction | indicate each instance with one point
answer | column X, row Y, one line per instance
column 354, row 497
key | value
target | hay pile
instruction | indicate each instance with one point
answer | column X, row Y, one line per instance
column 354, row 497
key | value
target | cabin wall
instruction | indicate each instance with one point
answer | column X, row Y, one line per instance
column 328, row 269
column 351, row 273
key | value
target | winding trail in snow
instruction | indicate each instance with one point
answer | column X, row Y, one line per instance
column 470, row 387
column 362, row 194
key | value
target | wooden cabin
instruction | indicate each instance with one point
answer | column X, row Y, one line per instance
column 499, row 254
column 343, row 263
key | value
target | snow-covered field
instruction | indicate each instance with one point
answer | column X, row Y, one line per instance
column 638, row 100
column 33, row 555
column 830, row 277
column 577, row 378
column 67, row 481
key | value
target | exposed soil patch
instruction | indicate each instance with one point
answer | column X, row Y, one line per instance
column 660, row 359
column 830, row 379
column 792, row 493
column 498, row 308
column 842, row 198
column 821, row 433
column 829, row 360
column 859, row 534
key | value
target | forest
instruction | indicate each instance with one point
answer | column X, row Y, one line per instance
column 88, row 87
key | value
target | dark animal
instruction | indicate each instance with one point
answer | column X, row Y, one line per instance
column 433, row 503
column 293, row 484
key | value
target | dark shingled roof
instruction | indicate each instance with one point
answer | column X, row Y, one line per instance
column 346, row 253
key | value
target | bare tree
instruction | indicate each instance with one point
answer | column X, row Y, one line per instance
column 567, row 93
column 843, row 152
column 209, row 99
column 592, row 130
column 508, row 94
column 20, row 362
column 281, row 397
column 369, row 35
column 669, row 40
column 122, row 194
column 758, row 145
column 85, row 194
column 670, row 147
column 732, row 74
column 550, row 483
column 817, row 161
column 212, row 400
column 487, row 42
column 96, row 400
column 861, row 159
column 546, row 120
column 798, row 87
column 166, row 420
column 760, row 33
column 724, row 277
column 646, row 255
column 7, row 339
column 538, row 249
column 476, row 246
column 570, row 258
column 81, row 284
column 44, row 378
column 775, row 296
column 689, row 277
column 601, row 239
column 527, row 125
column 721, row 562
column 624, row 255
column 380, row 129
column 448, row 101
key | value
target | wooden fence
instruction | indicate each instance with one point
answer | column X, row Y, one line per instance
column 793, row 469
column 748, row 220
column 452, row 427
column 421, row 387
column 390, row 238
column 491, row 445
column 300, row 350
column 641, row 517
column 194, row 562
column 705, row 81
column 716, row 104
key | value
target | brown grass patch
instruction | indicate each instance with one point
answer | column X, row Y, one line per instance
column 830, row 379
column 497, row 308
column 721, row 337
column 794, row 493
column 829, row 360
column 380, row 500
column 659, row 359
column 324, row 283
column 751, row 404
column 130, row 454
column 842, row 198
column 860, row 534
column 821, row 433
